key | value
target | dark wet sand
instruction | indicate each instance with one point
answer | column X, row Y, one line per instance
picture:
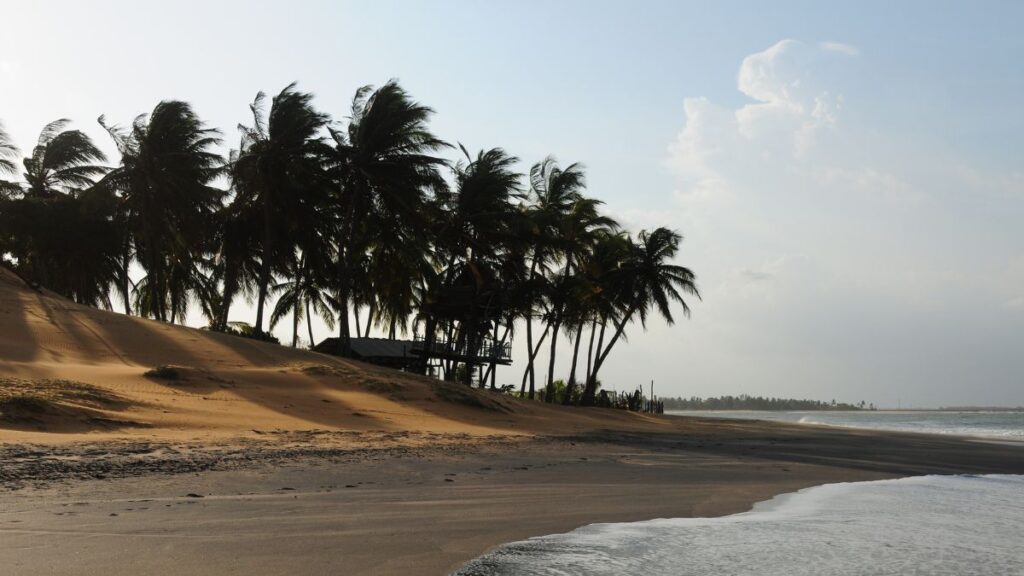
column 251, row 509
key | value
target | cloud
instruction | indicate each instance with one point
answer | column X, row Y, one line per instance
column 789, row 102
column 839, row 47
column 789, row 112
column 831, row 260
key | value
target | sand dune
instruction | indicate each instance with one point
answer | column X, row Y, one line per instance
column 66, row 369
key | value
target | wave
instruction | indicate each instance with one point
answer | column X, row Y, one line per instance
column 941, row 525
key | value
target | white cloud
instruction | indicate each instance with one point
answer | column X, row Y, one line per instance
column 790, row 108
column 840, row 47
column 830, row 259
column 783, row 124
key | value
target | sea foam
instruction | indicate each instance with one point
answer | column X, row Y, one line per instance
column 927, row 525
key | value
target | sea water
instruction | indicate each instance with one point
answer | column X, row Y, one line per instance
column 996, row 425
column 926, row 525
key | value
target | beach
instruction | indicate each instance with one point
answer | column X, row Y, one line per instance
column 131, row 446
column 421, row 506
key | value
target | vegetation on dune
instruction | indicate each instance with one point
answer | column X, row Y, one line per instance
column 165, row 373
column 29, row 400
column 359, row 222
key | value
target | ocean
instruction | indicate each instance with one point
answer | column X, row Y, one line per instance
column 926, row 525
column 996, row 425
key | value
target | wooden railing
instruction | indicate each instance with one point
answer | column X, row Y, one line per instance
column 489, row 350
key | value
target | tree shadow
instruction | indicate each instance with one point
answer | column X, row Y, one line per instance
column 17, row 339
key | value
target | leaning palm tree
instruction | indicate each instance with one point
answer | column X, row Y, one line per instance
column 167, row 202
column 554, row 191
column 383, row 164
column 63, row 162
column 646, row 281
column 279, row 170
column 577, row 232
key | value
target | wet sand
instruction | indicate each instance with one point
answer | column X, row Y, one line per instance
column 330, row 504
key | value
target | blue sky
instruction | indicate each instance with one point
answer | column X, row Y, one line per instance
column 848, row 176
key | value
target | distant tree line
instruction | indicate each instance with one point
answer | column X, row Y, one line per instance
column 359, row 222
column 745, row 402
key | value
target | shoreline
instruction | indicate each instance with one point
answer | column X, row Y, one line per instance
column 417, row 504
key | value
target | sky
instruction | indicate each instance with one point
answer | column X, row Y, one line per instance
column 848, row 177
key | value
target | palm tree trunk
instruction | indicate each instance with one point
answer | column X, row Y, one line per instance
column 268, row 249
column 571, row 385
column 529, row 334
column 602, row 356
column 344, row 338
column 591, row 386
column 532, row 356
column 228, row 296
column 126, row 262
column 495, row 348
column 549, row 394
column 359, row 330
column 346, row 237
column 429, row 338
column 369, row 321
column 309, row 325
column 590, row 349
column 295, row 323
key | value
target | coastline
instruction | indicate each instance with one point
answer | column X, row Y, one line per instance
column 417, row 505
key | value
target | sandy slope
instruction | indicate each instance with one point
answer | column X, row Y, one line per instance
column 76, row 369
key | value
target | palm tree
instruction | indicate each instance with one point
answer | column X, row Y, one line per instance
column 8, row 156
column 302, row 294
column 58, row 240
column 235, row 265
column 474, row 234
column 553, row 193
column 279, row 170
column 397, row 263
column 167, row 203
column 646, row 280
column 383, row 166
column 577, row 233
column 67, row 243
column 63, row 162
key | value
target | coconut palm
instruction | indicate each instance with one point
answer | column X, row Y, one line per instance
column 473, row 235
column 383, row 165
column 397, row 263
column 63, row 162
column 167, row 202
column 553, row 193
column 67, row 243
column 235, row 265
column 8, row 156
column 646, row 281
column 577, row 232
column 279, row 170
column 76, row 262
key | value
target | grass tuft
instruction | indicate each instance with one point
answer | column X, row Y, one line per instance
column 165, row 373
